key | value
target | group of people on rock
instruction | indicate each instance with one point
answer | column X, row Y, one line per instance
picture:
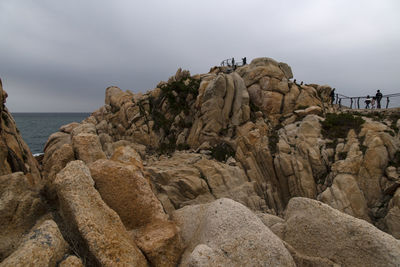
column 371, row 101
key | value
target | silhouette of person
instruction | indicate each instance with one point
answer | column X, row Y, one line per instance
column 378, row 98
column 244, row 61
column 233, row 62
column 367, row 101
column 332, row 96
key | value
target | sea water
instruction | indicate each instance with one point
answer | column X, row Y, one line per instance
column 36, row 128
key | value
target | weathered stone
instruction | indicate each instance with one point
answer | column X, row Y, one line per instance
column 15, row 155
column 69, row 127
column 346, row 196
column 87, row 147
column 287, row 70
column 189, row 178
column 160, row 241
column 317, row 230
column 392, row 218
column 87, row 128
column 71, row 261
column 124, row 189
column 20, row 207
column 225, row 233
column 43, row 246
column 273, row 84
column 126, row 154
column 115, row 97
column 83, row 209
column 58, row 160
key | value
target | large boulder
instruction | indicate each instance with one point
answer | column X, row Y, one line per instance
column 346, row 196
column 127, row 192
column 20, row 207
column 226, row 233
column 43, row 246
column 84, row 211
column 315, row 229
column 87, row 147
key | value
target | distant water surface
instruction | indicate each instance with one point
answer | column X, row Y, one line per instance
column 37, row 127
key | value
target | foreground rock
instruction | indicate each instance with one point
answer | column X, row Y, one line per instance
column 315, row 229
column 20, row 207
column 226, row 233
column 71, row 261
column 43, row 246
column 123, row 186
column 83, row 209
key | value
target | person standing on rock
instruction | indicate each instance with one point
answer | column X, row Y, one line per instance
column 367, row 101
column 233, row 62
column 244, row 61
column 332, row 95
column 378, row 98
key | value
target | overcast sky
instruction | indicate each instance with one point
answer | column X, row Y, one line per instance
column 61, row 55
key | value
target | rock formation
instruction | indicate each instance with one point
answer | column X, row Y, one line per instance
column 232, row 167
column 15, row 155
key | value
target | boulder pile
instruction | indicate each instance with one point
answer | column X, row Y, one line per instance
column 227, row 168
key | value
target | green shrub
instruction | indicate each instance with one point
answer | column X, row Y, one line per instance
column 273, row 140
column 332, row 144
column 342, row 155
column 222, row 152
column 338, row 125
column 396, row 160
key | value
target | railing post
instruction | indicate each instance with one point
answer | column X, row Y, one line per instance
column 351, row 103
column 387, row 102
column 358, row 103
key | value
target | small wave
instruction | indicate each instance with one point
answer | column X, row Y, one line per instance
column 38, row 154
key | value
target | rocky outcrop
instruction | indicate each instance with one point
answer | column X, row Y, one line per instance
column 226, row 233
column 43, row 246
column 190, row 178
column 15, row 155
column 83, row 209
column 200, row 170
column 223, row 104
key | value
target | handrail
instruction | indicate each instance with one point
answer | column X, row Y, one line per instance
column 230, row 62
column 380, row 104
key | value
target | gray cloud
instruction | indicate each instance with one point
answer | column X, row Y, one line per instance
column 61, row 56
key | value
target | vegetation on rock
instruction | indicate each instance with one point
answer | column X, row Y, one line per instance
column 338, row 125
column 222, row 152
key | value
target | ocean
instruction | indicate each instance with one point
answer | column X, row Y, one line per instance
column 36, row 128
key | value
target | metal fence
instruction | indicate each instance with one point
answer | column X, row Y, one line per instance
column 230, row 62
column 358, row 102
